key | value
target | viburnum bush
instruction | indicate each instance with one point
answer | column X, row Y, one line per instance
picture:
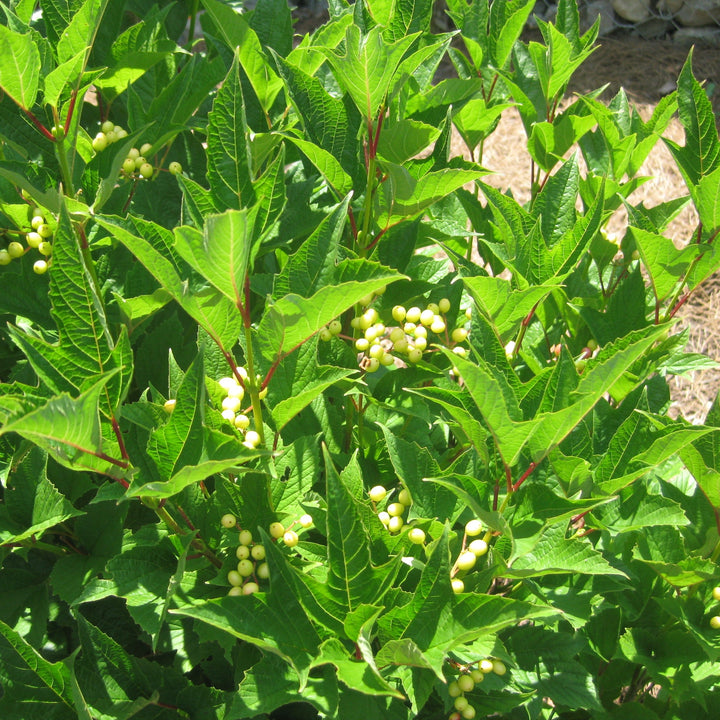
column 302, row 418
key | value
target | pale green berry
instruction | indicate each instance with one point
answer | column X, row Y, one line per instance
column 410, row 328
column 716, row 593
column 245, row 537
column 40, row 267
column 335, row 327
column 37, row 221
column 434, row 307
column 400, row 345
column 715, row 622
column 128, row 166
column 371, row 333
column 133, row 153
column 420, row 332
column 468, row 713
column 413, row 315
column 498, row 667
column 420, row 343
column 325, row 335
column 252, row 438
column 245, row 568
column 373, row 365
column 362, row 344
column 415, row 355
column 175, row 168
column 416, row 536
column 377, row 493
column 169, row 405
column 454, row 689
column 486, row 666
column 15, row 249
column 478, row 547
column 395, row 509
column 242, row 422
column 398, row 313
column 355, row 322
column 228, row 415
column 460, row 351
column 45, row 248
column 258, row 552
column 145, row 148
column 477, row 675
column 235, row 590
column 290, row 538
column 100, row 142
column 234, row 578
column 458, row 586
column 459, row 334
column 111, row 137
column 461, row 702
column 250, row 588
column 120, row 132
column 473, row 528
column 107, row 126
column 466, row 561
column 228, row 521
column 45, row 231
column 387, row 359
column 384, row 517
column 33, row 239
column 427, row 317
column 242, row 552
column 277, row 530
column 226, row 382
column 444, row 305
column 139, row 162
column 404, row 498
column 468, row 313
column 146, row 170
column 236, row 391
column 376, row 351
column 395, row 524
column 231, row 403
column 263, row 571
column 366, row 300
column 306, row 521
column 397, row 334
column 438, row 325
column 466, row 683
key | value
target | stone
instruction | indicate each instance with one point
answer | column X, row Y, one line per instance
column 669, row 7
column 698, row 13
column 632, row 10
column 604, row 9
column 653, row 28
column 697, row 36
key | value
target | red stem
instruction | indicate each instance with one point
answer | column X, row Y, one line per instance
column 118, row 435
column 187, row 520
column 71, row 109
column 40, row 126
column 524, row 476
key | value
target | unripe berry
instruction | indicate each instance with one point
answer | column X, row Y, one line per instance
column 460, row 350
column 335, row 327
column 290, row 538
column 250, row 587
column 459, row 334
column 398, row 313
column 454, row 689
column 473, row 528
column 37, row 221
column 258, row 552
column 415, row 355
column 377, row 493
column 716, row 593
column 15, row 249
column 466, row 561
column 420, row 343
column 444, row 305
column 376, row 351
column 499, row 667
column 715, row 622
column 325, row 335
column 111, row 137
column 231, row 403
column 169, row 405
column 438, row 325
column 395, row 524
column 33, row 239
column 387, row 359
column 107, row 126
column 58, row 132
column 486, row 666
column 306, row 521
column 477, row 675
column 133, row 153
column 228, row 521
column 458, row 586
column 400, row 345
column 384, row 518
column 234, row 578
column 242, row 552
column 395, row 509
column 397, row 334
column 175, row 168
column 44, row 231
column 245, row 537
column 146, row 170
column 404, row 498
column 427, row 317
column 420, row 332
column 263, row 571
column 478, row 547
column 416, row 536
column 468, row 713
column 373, row 365
column 5, row 258
column 409, row 328
column 128, row 166
column 145, row 148
column 236, row 391
column 45, row 248
column 466, row 683
column 413, row 315
column 235, row 590
column 277, row 530
column 245, row 567
column 365, row 300
column 40, row 267
column 242, row 422
column 455, row 716
column 228, row 415
column 252, row 438
column 362, row 344
column 461, row 703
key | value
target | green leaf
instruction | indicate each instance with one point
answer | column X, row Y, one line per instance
column 507, row 19
column 33, row 688
column 19, row 67
column 293, row 319
column 352, row 579
column 79, row 35
column 230, row 168
column 327, row 165
column 366, row 66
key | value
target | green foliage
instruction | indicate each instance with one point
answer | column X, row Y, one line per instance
column 300, row 417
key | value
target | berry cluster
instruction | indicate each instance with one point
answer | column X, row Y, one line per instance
column 715, row 619
column 468, row 555
column 392, row 516
column 465, row 683
column 378, row 344
column 38, row 237
column 252, row 568
column 232, row 405
column 109, row 133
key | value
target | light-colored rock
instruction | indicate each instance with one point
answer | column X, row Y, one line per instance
column 604, row 9
column 653, row 28
column 669, row 7
column 697, row 36
column 632, row 10
column 698, row 13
